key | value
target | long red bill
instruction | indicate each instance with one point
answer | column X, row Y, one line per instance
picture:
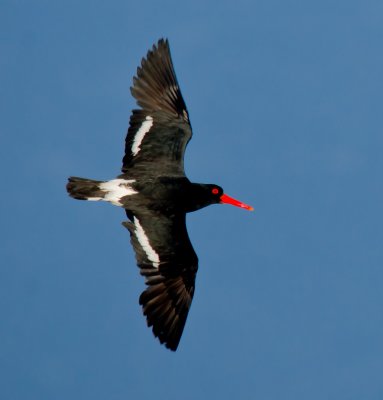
column 229, row 200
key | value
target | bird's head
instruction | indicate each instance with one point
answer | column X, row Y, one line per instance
column 206, row 194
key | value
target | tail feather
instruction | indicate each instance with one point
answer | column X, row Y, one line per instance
column 84, row 189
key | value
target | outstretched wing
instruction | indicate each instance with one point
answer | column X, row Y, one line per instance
column 167, row 260
column 160, row 130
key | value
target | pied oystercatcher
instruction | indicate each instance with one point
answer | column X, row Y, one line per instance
column 156, row 195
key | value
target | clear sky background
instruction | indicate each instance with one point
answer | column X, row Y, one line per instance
column 285, row 99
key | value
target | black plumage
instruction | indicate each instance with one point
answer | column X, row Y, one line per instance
column 156, row 195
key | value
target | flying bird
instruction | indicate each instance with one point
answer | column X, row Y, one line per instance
column 156, row 195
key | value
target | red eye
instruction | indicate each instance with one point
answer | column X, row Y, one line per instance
column 215, row 191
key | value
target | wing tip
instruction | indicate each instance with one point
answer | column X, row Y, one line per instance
column 166, row 323
column 155, row 86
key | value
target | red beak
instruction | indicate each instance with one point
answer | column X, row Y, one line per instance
column 229, row 200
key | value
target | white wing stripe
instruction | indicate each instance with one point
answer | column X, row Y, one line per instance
column 144, row 129
column 144, row 242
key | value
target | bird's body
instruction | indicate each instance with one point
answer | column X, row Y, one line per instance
column 156, row 195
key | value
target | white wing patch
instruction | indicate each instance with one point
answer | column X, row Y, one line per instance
column 144, row 129
column 116, row 189
column 144, row 242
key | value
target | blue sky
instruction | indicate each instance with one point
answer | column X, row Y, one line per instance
column 285, row 99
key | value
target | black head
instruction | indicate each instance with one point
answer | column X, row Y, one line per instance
column 203, row 195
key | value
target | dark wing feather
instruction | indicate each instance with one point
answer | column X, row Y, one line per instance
column 167, row 260
column 156, row 90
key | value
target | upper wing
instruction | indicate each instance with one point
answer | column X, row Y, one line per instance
column 160, row 130
column 167, row 260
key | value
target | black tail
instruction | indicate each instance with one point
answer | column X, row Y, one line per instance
column 84, row 189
